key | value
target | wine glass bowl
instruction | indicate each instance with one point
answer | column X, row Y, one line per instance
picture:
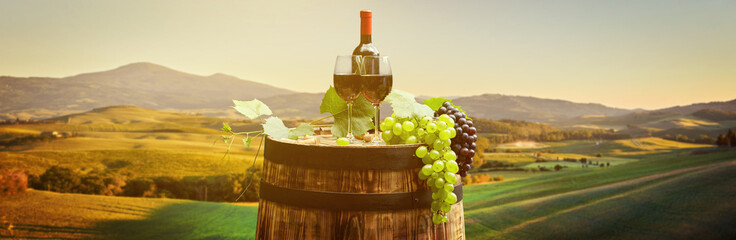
column 346, row 80
column 376, row 83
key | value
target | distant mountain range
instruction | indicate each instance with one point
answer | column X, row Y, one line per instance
column 729, row 106
column 153, row 86
column 141, row 84
column 497, row 106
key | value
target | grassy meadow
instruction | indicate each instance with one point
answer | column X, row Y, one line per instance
column 131, row 141
column 49, row 215
column 654, row 188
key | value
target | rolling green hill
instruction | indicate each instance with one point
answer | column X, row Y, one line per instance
column 717, row 105
column 130, row 140
column 693, row 125
column 646, row 199
column 48, row 215
column 497, row 106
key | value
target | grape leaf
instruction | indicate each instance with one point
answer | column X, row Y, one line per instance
column 252, row 109
column 362, row 113
column 332, row 103
column 436, row 103
column 247, row 140
column 226, row 128
column 301, row 130
column 275, row 128
column 404, row 105
column 421, row 110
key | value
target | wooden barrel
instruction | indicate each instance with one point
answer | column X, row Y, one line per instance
column 348, row 192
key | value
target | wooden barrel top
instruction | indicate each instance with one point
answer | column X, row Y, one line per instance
column 351, row 157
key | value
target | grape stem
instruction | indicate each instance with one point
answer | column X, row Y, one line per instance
column 326, row 117
column 250, row 181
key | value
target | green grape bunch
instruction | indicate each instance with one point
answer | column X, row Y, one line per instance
column 440, row 167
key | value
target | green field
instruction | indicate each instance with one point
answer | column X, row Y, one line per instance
column 509, row 209
column 130, row 140
column 48, row 215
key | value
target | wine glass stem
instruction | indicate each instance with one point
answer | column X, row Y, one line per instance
column 350, row 121
column 377, row 116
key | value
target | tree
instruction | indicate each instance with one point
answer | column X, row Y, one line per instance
column 141, row 187
column 34, row 181
column 91, row 184
column 558, row 167
column 12, row 182
column 176, row 187
column 480, row 147
column 681, row 138
column 721, row 140
column 599, row 155
column 114, row 186
column 731, row 138
column 583, row 160
column 704, row 138
column 60, row 179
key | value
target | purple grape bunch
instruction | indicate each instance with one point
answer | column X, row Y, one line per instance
column 463, row 144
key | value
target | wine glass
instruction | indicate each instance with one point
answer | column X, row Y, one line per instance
column 376, row 82
column 347, row 85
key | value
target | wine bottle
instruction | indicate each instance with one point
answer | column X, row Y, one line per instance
column 366, row 48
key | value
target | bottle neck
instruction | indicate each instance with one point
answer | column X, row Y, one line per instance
column 366, row 26
column 365, row 38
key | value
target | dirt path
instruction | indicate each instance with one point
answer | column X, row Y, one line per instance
column 691, row 170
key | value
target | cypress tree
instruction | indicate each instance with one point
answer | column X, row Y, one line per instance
column 731, row 138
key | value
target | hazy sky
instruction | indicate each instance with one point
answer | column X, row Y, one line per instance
column 629, row 54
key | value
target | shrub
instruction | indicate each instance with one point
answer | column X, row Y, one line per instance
column 558, row 167
column 477, row 179
column 174, row 187
column 12, row 182
column 34, row 181
column 60, row 179
column 91, row 184
column 599, row 155
column 467, row 180
column 496, row 164
column 141, row 187
column 114, row 186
